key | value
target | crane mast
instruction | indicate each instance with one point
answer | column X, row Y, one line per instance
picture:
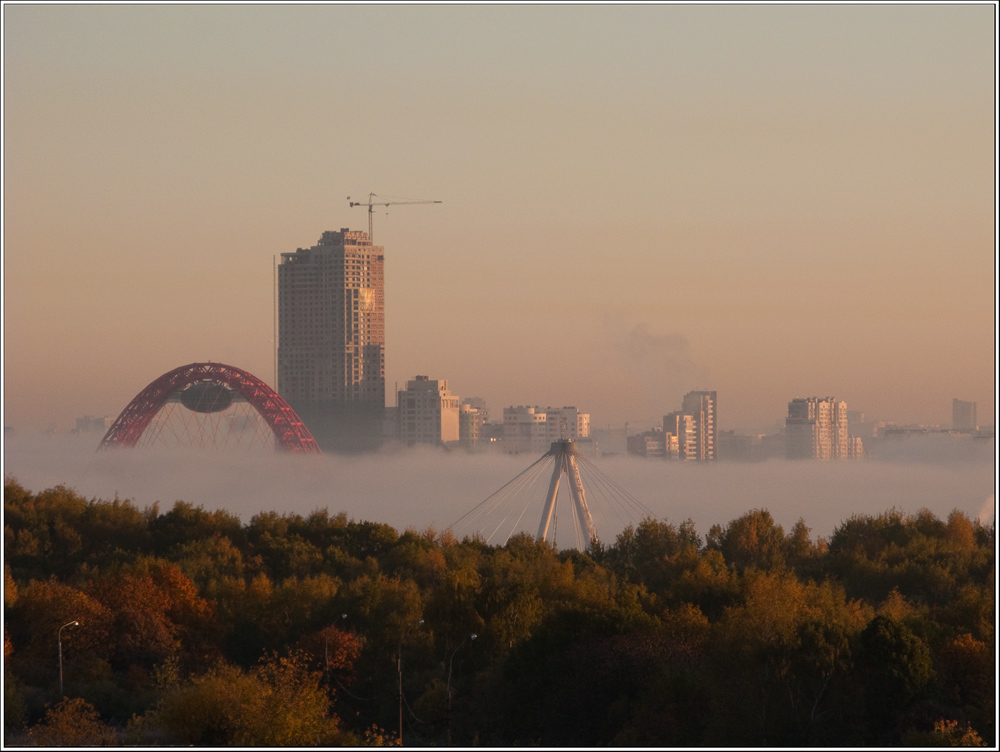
column 372, row 203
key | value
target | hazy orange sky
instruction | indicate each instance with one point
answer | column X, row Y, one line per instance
column 768, row 201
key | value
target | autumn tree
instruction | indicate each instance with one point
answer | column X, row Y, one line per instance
column 156, row 610
column 752, row 540
column 41, row 610
column 279, row 703
column 73, row 723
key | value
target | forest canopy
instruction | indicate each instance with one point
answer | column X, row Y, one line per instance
column 194, row 627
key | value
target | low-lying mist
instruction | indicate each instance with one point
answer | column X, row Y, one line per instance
column 425, row 487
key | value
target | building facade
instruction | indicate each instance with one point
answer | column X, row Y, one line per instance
column 428, row 413
column 533, row 429
column 470, row 424
column 701, row 407
column 816, row 428
column 680, row 436
column 331, row 339
column 692, row 433
column 963, row 415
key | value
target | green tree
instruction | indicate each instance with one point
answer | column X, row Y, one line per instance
column 896, row 667
column 186, row 523
column 654, row 552
column 207, row 560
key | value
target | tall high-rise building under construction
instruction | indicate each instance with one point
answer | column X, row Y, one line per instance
column 331, row 339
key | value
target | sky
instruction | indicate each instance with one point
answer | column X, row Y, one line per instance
column 768, row 201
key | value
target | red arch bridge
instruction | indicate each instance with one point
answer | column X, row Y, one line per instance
column 210, row 405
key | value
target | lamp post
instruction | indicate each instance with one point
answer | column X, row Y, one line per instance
column 399, row 672
column 59, row 640
column 326, row 655
column 451, row 660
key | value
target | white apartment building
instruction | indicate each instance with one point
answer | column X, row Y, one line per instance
column 533, row 429
column 816, row 428
column 680, row 436
column 701, row 407
column 470, row 425
column 428, row 412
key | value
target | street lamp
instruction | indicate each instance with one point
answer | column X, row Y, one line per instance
column 326, row 655
column 450, row 661
column 399, row 671
column 59, row 640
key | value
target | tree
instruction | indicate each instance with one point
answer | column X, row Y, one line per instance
column 510, row 602
column 209, row 559
column 278, row 703
column 42, row 608
column 185, row 523
column 330, row 650
column 73, row 723
column 451, row 603
column 896, row 667
column 946, row 733
column 966, row 675
column 778, row 654
column 800, row 551
column 654, row 552
column 156, row 610
column 753, row 540
column 297, row 606
column 44, row 537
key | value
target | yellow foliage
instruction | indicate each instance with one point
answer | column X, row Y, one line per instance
column 72, row 723
column 280, row 703
column 896, row 606
column 946, row 733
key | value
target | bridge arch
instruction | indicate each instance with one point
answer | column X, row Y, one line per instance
column 206, row 388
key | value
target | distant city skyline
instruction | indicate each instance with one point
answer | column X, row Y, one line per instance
column 638, row 202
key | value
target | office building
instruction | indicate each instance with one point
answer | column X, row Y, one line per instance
column 331, row 339
column 428, row 412
column 963, row 415
column 816, row 428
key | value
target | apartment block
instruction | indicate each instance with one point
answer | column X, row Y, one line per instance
column 816, row 428
column 963, row 416
column 701, row 407
column 428, row 412
column 680, row 436
column 533, row 429
column 470, row 425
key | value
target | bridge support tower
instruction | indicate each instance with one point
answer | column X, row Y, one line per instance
column 565, row 454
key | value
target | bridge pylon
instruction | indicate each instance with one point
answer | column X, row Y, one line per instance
column 564, row 452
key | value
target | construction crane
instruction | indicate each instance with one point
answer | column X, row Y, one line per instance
column 372, row 203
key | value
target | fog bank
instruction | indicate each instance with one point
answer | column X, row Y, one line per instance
column 424, row 487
